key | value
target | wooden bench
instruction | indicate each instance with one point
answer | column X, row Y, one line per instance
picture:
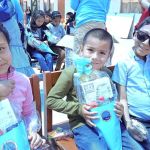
column 49, row 80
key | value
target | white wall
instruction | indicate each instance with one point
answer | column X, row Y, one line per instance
column 115, row 6
column 55, row 6
column 68, row 8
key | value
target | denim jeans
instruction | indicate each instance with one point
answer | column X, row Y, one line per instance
column 87, row 138
column 45, row 60
column 128, row 143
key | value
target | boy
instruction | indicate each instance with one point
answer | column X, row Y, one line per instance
column 97, row 45
column 57, row 30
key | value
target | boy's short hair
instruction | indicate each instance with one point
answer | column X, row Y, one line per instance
column 99, row 33
column 5, row 32
column 56, row 14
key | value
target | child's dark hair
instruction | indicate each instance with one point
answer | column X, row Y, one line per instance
column 37, row 14
column 5, row 32
column 72, row 17
column 56, row 14
column 101, row 34
column 48, row 13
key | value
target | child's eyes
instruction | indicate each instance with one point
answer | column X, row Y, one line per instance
column 2, row 49
column 102, row 53
column 91, row 50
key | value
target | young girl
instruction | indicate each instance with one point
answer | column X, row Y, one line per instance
column 36, row 29
column 16, row 87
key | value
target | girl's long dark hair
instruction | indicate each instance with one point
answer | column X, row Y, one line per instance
column 36, row 14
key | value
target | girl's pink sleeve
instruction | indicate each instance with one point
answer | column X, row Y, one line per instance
column 28, row 105
column 30, row 116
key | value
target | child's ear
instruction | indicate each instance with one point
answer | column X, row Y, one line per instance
column 80, row 51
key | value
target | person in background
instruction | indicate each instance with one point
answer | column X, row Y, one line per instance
column 89, row 15
column 132, row 76
column 58, row 31
column 97, row 45
column 70, row 22
column 36, row 29
column 10, row 15
column 28, row 14
column 16, row 87
column 48, row 17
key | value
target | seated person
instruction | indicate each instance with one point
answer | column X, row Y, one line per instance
column 57, row 30
column 48, row 17
column 16, row 87
column 132, row 76
column 70, row 22
column 36, row 30
column 97, row 45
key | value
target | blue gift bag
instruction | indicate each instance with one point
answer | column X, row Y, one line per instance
column 108, row 125
column 15, row 138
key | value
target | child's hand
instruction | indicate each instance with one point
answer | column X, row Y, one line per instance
column 119, row 109
column 88, row 115
column 35, row 140
column 134, row 133
column 6, row 87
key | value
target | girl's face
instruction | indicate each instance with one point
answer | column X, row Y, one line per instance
column 142, row 41
column 5, row 55
column 97, row 50
column 39, row 21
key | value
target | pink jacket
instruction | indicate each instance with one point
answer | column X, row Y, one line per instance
column 21, row 98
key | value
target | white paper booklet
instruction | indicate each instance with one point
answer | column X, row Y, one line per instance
column 7, row 117
column 94, row 89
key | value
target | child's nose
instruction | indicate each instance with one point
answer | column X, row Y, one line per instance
column 94, row 55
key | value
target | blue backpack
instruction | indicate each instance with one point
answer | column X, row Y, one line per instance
column 7, row 10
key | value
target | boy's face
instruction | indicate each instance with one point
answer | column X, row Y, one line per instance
column 56, row 21
column 39, row 21
column 142, row 41
column 97, row 50
column 5, row 55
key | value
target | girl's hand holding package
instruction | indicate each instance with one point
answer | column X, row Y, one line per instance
column 35, row 140
column 88, row 116
column 119, row 109
column 6, row 87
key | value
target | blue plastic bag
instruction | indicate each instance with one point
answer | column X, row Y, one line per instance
column 108, row 125
column 15, row 139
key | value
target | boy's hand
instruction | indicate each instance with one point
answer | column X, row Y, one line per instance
column 35, row 140
column 88, row 116
column 6, row 87
column 119, row 109
column 134, row 133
